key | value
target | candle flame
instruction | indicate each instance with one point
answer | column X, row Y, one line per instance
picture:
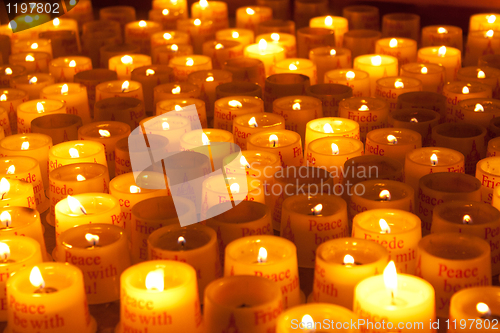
column 316, row 210
column 442, row 30
column 273, row 138
column 307, row 322
column 5, row 218
column 181, row 240
column 209, row 79
column 3, row 98
column 73, row 152
column 376, row 60
column 29, row 58
column 174, row 47
column 178, row 107
column 434, row 159
column 25, row 145
column 262, row 256
column 234, row 188
column 92, row 239
column 328, row 20
column 127, row 60
column 80, row 178
column 34, row 46
column 478, row 108
column 75, row 206
column 333, row 52
column 104, row 133
column 189, row 62
column 165, row 125
column 465, row 90
column 393, row 43
column 350, row 75
column 327, row 128
column 489, row 33
column 262, row 45
column 34, row 79
column 64, row 89
column 8, row 71
column 219, row 46
column 296, row 106
column 204, row 139
column 348, row 259
column 414, row 120
column 467, row 219
column 165, row 12
column 335, row 149
column 252, row 122
column 275, row 37
column 134, row 189
column 481, row 75
column 125, row 86
column 142, row 24
column 442, row 51
column 176, row 90
column 392, row 139
column 11, row 170
column 235, row 104
column 244, row 162
column 250, row 11
column 363, row 108
column 150, row 71
column 491, row 19
column 423, row 70
column 399, row 84
column 483, row 308
column 56, row 22
column 167, row 36
column 39, row 107
column 391, row 278
column 203, row 4
column 385, row 195
column 384, row 226
column 36, row 278
column 197, row 22
column 155, row 280
column 72, row 63
column 235, row 34
column 4, row 251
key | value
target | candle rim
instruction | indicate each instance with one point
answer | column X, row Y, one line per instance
column 243, row 119
column 61, row 61
column 265, row 134
column 481, row 247
column 409, row 82
column 21, row 244
column 288, row 248
column 94, row 228
column 374, row 215
column 399, row 191
column 30, row 105
column 332, row 205
column 72, row 168
column 156, row 238
column 101, row 203
column 311, row 123
column 424, row 151
column 42, row 139
column 356, row 145
column 379, row 136
column 326, row 250
column 461, row 207
column 115, row 128
column 366, row 60
column 115, row 184
column 402, row 42
column 253, row 185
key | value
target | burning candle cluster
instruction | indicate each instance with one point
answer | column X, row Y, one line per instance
column 344, row 172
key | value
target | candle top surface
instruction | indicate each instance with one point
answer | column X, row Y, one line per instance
column 323, row 206
column 78, row 239
column 376, row 190
column 397, row 43
column 117, row 86
column 461, row 248
column 95, row 203
column 71, row 61
column 7, row 95
column 399, row 222
column 480, row 105
column 439, row 51
column 296, row 103
column 473, row 72
column 344, row 146
column 397, row 137
column 84, row 148
column 15, row 142
column 347, row 75
column 267, row 139
column 445, row 156
column 338, row 125
column 468, row 214
column 375, row 60
column 32, row 79
column 104, row 130
column 362, row 252
column 181, row 239
column 41, row 106
column 73, row 173
column 422, row 68
column 420, row 115
column 248, row 249
column 262, row 119
column 466, row 88
column 264, row 49
column 329, row 52
column 399, row 83
column 366, row 104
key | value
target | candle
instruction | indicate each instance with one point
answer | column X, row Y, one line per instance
column 451, row 262
column 422, row 161
column 244, row 36
column 238, row 88
column 211, row 10
column 248, row 124
column 168, row 290
column 9, row 100
column 249, row 296
column 154, row 213
column 370, row 113
column 34, row 62
column 32, row 145
column 388, row 298
column 75, row 96
column 246, row 70
column 448, row 57
column 488, row 76
column 169, row 37
column 208, row 81
column 404, row 49
column 127, row 110
column 316, row 219
column 266, row 256
column 182, row 107
column 361, row 41
column 432, row 76
column 401, row 25
column 418, row 120
column 327, row 59
column 59, row 127
column 310, row 38
column 185, row 65
column 425, row 100
column 139, row 33
column 32, row 83
column 485, row 21
column 362, row 17
column 199, row 31
column 250, row 17
column 100, row 251
column 287, row 144
column 478, row 111
column 125, row 188
column 486, row 172
column 394, row 143
column 28, row 111
column 286, row 41
column 228, row 108
column 331, row 126
column 16, row 193
column 123, row 65
column 455, row 92
column 109, row 51
column 55, row 290
column 438, row 35
column 195, row 245
column 297, row 65
column 298, row 111
column 337, row 23
column 166, row 18
column 119, row 88
column 64, row 69
column 493, row 148
column 377, row 66
column 222, row 50
column 77, row 151
column 175, row 90
column 343, row 263
column 170, row 126
column 7, row 73
column 266, row 52
column 480, row 43
column 63, row 24
column 357, row 80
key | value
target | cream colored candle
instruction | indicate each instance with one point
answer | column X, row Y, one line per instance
column 438, row 35
column 432, row 76
column 487, row 75
column 404, row 49
column 246, row 125
column 448, row 57
column 211, row 10
column 266, row 52
column 76, row 151
column 75, row 96
column 30, row 45
column 287, row 144
column 183, row 109
column 331, row 126
column 123, row 65
column 244, row 36
column 32, row 83
column 7, row 73
column 336, row 23
column 327, row 59
column 370, row 113
column 9, row 100
column 478, row 111
column 389, row 88
column 277, row 261
column 250, row 17
column 415, row 119
column 358, row 80
column 286, row 41
column 484, row 21
column 299, row 66
column 139, row 33
column 455, row 92
column 397, row 230
column 228, row 108
column 64, row 69
column 394, row 143
column 28, row 111
column 17, row 193
column 480, row 43
column 169, row 126
column 422, row 161
column 487, row 171
column 185, row 65
column 377, row 66
column 308, row 221
column 199, row 31
column 336, row 274
column 451, row 262
column 34, row 62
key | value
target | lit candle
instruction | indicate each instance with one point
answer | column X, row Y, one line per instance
column 7, row 73
column 287, row 144
column 180, row 5
column 31, row 45
column 211, row 10
column 478, row 111
column 166, row 18
column 327, row 59
column 377, row 66
column 228, row 108
column 119, row 88
column 76, row 151
column 244, row 36
column 208, row 81
column 358, row 80
column 163, row 54
column 432, row 76
column 425, row 100
column 297, row 65
column 480, row 43
column 343, row 263
column 308, row 221
column 250, row 17
column 266, row 256
column 123, row 65
column 40, row 287
column 28, row 111
column 32, row 83
column 336, row 23
column 75, row 96
column 438, row 35
column 139, row 33
column 390, row 88
column 59, row 24
column 486, row 75
column 487, row 173
column 64, row 69
column 404, row 49
column 199, row 31
column 184, row 65
column 286, row 41
column 266, row 52
column 448, row 57
column 415, row 119
column 34, row 62
column 394, row 143
column 444, row 260
column 169, row 126
column 331, row 126
column 9, row 100
column 182, row 108
column 248, row 124
column 484, row 21
column 455, row 92
column 387, row 298
column 369, row 112
column 246, row 70
column 222, row 50
column 149, row 77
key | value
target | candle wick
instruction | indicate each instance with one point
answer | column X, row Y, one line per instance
column 393, row 301
column 83, row 210
column 274, row 143
column 3, row 194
